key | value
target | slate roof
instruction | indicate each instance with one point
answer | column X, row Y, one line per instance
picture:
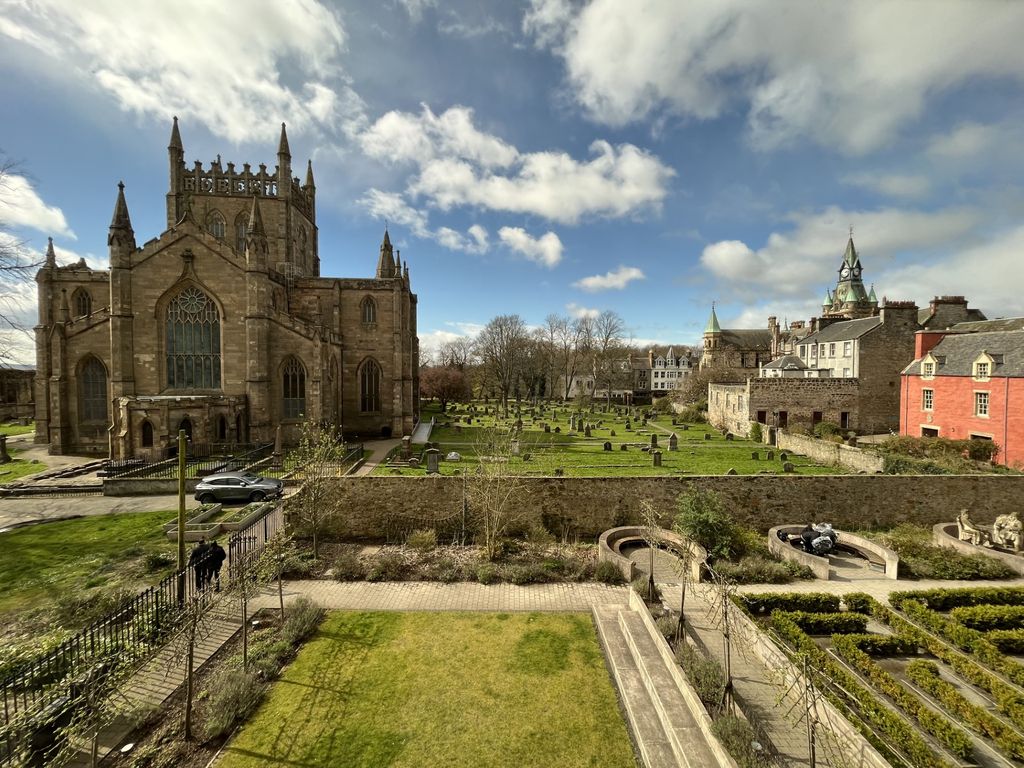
column 957, row 352
column 844, row 330
column 1002, row 324
column 787, row 363
column 924, row 315
column 752, row 339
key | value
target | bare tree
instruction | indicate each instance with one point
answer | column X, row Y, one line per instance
column 318, row 457
column 495, row 490
column 194, row 626
column 500, row 348
column 457, row 353
column 569, row 341
column 609, row 351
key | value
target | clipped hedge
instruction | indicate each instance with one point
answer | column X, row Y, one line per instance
column 808, row 602
column 858, row 602
column 926, row 675
column 936, row 724
column 1009, row 641
column 880, row 645
column 947, row 599
column 987, row 617
column 870, row 708
column 826, row 623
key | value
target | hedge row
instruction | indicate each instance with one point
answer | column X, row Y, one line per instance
column 826, row 623
column 947, row 599
column 967, row 639
column 986, row 617
column 1009, row 641
column 809, row 602
column 926, row 675
column 870, row 708
column 1007, row 699
column 935, row 723
column 882, row 645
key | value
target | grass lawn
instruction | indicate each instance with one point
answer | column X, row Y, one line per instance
column 42, row 563
column 17, row 429
column 452, row 689
column 580, row 456
column 19, row 468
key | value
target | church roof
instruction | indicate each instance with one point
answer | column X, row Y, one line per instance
column 957, row 352
column 843, row 331
column 713, row 326
column 752, row 339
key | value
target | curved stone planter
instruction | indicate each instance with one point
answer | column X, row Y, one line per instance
column 611, row 541
column 945, row 535
column 820, row 566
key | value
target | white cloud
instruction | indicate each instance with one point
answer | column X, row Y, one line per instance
column 415, row 8
column 803, row 259
column 545, row 250
column 846, row 74
column 459, row 165
column 21, row 206
column 909, row 186
column 580, row 312
column 393, row 208
column 616, row 279
column 239, row 75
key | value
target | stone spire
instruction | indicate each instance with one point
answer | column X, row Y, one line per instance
column 51, row 257
column 398, row 263
column 309, row 175
column 282, row 146
column 121, row 237
column 175, row 138
column 257, row 248
column 121, row 219
column 255, row 226
column 386, row 262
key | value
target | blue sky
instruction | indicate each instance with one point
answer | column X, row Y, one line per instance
column 552, row 156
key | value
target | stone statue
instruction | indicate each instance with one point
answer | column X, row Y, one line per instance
column 968, row 530
column 1008, row 531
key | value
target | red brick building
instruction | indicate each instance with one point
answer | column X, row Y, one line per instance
column 968, row 382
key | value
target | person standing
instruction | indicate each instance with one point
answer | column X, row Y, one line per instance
column 198, row 560
column 216, row 558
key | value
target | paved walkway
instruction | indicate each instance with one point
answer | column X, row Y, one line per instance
column 22, row 511
column 422, row 432
column 378, row 450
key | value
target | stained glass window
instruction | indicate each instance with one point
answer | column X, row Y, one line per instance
column 369, row 387
column 193, row 341
column 93, row 383
column 294, row 388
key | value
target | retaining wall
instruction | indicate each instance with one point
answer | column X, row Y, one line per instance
column 835, row 454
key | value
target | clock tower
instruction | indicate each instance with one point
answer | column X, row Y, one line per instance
column 850, row 299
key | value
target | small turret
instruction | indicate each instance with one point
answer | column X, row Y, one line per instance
column 121, row 237
column 284, row 166
column 51, row 257
column 386, row 262
column 309, row 176
column 256, row 245
column 282, row 146
column 175, row 144
column 405, row 275
column 827, row 303
column 398, row 263
column 713, row 326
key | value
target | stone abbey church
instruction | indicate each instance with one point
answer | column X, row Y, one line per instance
column 222, row 326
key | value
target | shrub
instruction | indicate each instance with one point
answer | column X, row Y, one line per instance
column 298, row 565
column 879, row 645
column 944, row 599
column 756, row 434
column 388, row 566
column 443, row 569
column 704, row 674
column 529, row 573
column 80, row 608
column 826, row 623
column 643, row 587
column 703, row 518
column 826, row 429
column 758, row 569
column 668, row 626
column 1009, row 641
column 486, row 573
column 986, row 617
column 301, row 620
column 157, row 561
column 423, row 540
column 858, row 602
column 920, row 559
column 609, row 573
column 234, row 695
column 347, row 566
column 266, row 659
column 692, row 413
column 808, row 602
column 739, row 739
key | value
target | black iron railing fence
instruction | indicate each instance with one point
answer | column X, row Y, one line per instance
column 130, row 634
column 202, row 459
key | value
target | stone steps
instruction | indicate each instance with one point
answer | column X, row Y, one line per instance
column 665, row 731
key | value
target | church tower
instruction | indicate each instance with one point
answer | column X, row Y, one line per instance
column 850, row 300
column 712, row 339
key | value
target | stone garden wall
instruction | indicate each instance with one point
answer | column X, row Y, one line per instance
column 825, row 452
column 375, row 508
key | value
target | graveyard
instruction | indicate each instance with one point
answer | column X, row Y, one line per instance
column 551, row 441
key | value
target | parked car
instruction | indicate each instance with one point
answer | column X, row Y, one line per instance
column 237, row 486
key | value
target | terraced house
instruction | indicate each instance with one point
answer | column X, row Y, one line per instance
column 223, row 325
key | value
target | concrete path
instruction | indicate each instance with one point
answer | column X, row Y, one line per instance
column 422, row 432
column 378, row 450
column 22, row 511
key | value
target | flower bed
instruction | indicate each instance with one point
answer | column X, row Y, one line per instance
column 196, row 531
column 200, row 514
column 242, row 518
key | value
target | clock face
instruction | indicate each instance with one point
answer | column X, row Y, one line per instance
column 844, row 272
column 856, row 271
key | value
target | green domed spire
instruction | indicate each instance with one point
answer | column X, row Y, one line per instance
column 713, row 326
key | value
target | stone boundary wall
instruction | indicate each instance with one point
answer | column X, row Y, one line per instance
column 389, row 508
column 825, row 452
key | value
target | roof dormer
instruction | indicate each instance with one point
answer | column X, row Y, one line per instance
column 981, row 368
column 929, row 365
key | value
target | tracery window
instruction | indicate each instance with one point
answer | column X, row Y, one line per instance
column 241, row 225
column 293, row 380
column 82, row 302
column 193, row 341
column 215, row 225
column 369, row 387
column 369, row 311
column 93, row 387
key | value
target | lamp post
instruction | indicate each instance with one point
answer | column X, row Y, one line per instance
column 181, row 515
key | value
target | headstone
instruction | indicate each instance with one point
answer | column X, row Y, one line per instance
column 559, row 472
column 657, row 458
column 645, row 448
column 623, row 447
column 433, row 461
column 787, row 467
column 707, row 435
column 755, row 455
column 607, row 445
column 4, row 456
column 586, row 431
column 629, row 427
column 684, row 427
column 547, row 429
column 526, row 457
column 558, row 430
column 515, row 447
column 643, row 422
column 612, row 433
column 673, row 442
column 453, row 456
column 673, row 422
column 729, row 436
column 413, row 461
column 732, row 471
column 783, row 456
column 406, row 448
column 771, row 455
column 654, row 441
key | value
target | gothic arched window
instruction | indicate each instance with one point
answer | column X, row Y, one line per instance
column 82, row 302
column 293, row 387
column 368, row 311
column 369, row 387
column 215, row 225
column 193, row 341
column 241, row 225
column 92, row 383
column 147, row 434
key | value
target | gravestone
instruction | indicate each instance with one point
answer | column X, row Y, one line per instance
column 732, row 471
column 684, row 427
column 559, row 472
column 623, row 447
column 673, row 422
column 629, row 427
column 771, row 455
column 654, row 441
column 787, row 467
column 558, row 430
column 586, row 431
column 4, row 455
column 607, row 445
column 515, row 447
column 612, row 433
column 406, row 448
column 433, row 461
column 657, row 458
column 413, row 461
column 547, row 429
column 755, row 455
column 643, row 422
column 673, row 442
column 729, row 436
column 783, row 456
column 707, row 435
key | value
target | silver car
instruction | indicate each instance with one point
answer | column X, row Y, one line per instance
column 237, row 486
